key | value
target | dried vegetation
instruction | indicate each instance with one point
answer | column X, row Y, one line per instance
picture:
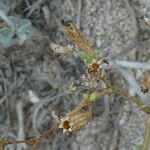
column 34, row 80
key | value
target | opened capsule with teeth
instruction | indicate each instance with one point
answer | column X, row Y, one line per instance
column 96, row 65
column 76, row 119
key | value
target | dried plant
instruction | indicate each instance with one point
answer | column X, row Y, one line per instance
column 94, row 72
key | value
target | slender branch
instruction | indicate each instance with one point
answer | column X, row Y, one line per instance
column 124, row 93
column 31, row 141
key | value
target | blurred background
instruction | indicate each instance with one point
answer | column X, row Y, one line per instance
column 34, row 81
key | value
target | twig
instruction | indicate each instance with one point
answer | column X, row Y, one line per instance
column 34, row 7
column 133, row 14
column 46, row 13
column 12, row 88
column 27, row 3
column 132, row 82
column 21, row 126
column 131, row 64
column 30, row 141
column 79, row 13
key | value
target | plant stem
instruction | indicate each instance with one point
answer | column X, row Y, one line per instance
column 146, row 142
column 116, row 90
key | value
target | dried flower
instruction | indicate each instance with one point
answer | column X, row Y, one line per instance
column 95, row 66
column 58, row 49
column 76, row 119
column 93, row 74
column 77, row 38
column 146, row 85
